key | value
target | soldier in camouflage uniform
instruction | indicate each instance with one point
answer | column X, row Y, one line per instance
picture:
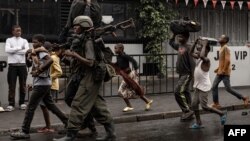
column 88, row 98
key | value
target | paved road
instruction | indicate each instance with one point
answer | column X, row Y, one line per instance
column 163, row 130
column 164, row 103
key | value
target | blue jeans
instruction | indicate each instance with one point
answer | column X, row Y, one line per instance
column 226, row 81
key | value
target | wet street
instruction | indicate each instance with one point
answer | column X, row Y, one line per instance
column 163, row 130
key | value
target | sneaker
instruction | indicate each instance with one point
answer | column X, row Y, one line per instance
column 19, row 135
column 9, row 108
column 45, row 130
column 215, row 105
column 148, row 105
column 22, row 107
column 1, row 109
column 126, row 109
column 246, row 100
column 223, row 118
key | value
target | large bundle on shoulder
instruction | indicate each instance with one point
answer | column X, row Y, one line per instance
column 184, row 25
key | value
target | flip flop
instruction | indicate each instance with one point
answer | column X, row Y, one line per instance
column 196, row 126
column 244, row 113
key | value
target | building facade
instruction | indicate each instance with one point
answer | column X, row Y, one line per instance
column 217, row 20
column 49, row 16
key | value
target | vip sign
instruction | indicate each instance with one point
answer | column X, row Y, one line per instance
column 240, row 62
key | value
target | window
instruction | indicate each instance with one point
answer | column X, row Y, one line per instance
column 34, row 17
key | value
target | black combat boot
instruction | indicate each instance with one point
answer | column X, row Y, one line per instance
column 110, row 130
column 70, row 136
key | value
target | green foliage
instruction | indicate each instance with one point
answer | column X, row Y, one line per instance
column 155, row 16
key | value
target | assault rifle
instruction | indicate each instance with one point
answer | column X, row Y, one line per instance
column 110, row 29
column 96, row 33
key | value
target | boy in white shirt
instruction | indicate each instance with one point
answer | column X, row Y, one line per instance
column 202, row 83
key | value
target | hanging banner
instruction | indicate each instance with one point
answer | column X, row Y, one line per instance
column 205, row 3
column 214, row 3
column 240, row 4
column 232, row 4
column 223, row 3
column 195, row 2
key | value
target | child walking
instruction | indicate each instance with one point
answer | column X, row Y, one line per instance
column 41, row 89
column 202, row 83
column 55, row 73
column 129, row 87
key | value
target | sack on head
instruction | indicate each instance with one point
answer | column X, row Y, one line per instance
column 184, row 25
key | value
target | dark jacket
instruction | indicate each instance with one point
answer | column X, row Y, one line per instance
column 185, row 63
column 123, row 61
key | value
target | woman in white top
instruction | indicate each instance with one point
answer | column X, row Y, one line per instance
column 202, row 83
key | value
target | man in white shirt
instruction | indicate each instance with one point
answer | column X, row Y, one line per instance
column 16, row 48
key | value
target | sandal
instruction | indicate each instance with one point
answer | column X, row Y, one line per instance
column 196, row 126
column 45, row 130
column 223, row 118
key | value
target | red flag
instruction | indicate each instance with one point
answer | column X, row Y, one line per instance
column 195, row 2
column 176, row 1
column 214, row 3
column 248, row 5
column 232, row 4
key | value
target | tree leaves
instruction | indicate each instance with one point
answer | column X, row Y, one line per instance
column 155, row 16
